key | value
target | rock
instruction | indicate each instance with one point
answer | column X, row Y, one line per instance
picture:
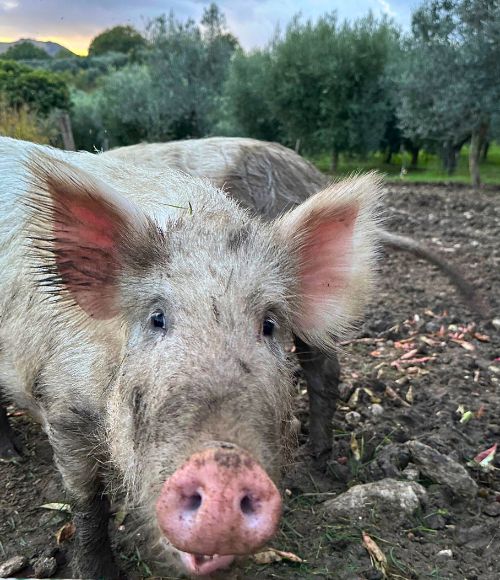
column 445, row 554
column 44, row 567
column 376, row 410
column 410, row 472
column 441, row 469
column 496, row 323
column 353, row 417
column 397, row 498
column 13, row 565
column 492, row 509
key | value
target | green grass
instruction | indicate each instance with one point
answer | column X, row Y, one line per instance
column 429, row 167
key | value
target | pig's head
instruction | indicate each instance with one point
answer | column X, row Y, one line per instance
column 204, row 301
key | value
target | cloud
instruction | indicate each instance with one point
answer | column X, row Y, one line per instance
column 8, row 4
column 386, row 8
column 252, row 21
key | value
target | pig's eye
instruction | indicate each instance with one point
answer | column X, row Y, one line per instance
column 158, row 320
column 268, row 326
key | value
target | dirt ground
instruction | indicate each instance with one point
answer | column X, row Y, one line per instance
column 420, row 363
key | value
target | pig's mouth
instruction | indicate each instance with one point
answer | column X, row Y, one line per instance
column 201, row 565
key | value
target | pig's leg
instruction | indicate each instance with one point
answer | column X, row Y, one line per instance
column 74, row 439
column 93, row 556
column 8, row 450
column 322, row 374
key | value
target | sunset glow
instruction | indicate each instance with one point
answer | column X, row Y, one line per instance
column 77, row 44
column 74, row 24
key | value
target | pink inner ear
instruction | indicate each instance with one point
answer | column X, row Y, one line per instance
column 326, row 261
column 86, row 249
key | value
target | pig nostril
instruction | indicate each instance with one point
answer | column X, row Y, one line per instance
column 247, row 505
column 193, row 502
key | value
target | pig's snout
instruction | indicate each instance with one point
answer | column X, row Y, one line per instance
column 221, row 501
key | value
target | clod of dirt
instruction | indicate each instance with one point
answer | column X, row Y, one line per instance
column 399, row 498
column 389, row 462
column 441, row 469
column 45, row 567
column 13, row 565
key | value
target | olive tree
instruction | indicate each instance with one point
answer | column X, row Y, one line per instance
column 449, row 83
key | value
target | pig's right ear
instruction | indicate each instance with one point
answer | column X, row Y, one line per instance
column 78, row 227
column 332, row 238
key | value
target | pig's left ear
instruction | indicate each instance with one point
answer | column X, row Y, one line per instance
column 332, row 236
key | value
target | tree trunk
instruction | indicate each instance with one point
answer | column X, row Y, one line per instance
column 450, row 158
column 66, row 132
column 476, row 143
column 414, row 157
column 334, row 161
column 485, row 149
column 388, row 156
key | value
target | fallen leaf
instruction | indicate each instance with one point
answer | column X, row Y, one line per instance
column 377, row 556
column 480, row 412
column 270, row 555
column 481, row 337
column 352, row 403
column 376, row 353
column 413, row 370
column 407, row 344
column 466, row 417
column 58, row 507
column 428, row 341
column 409, row 354
column 486, row 457
column 409, row 394
column 464, row 344
column 371, row 394
column 65, row 533
column 355, row 448
column 391, row 393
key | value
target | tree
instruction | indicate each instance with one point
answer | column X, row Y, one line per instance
column 124, row 39
column 174, row 92
column 42, row 91
column 329, row 84
column 189, row 65
column 247, row 98
column 453, row 100
column 25, row 51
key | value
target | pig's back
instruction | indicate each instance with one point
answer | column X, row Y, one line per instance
column 265, row 177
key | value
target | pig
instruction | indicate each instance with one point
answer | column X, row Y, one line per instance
column 271, row 179
column 144, row 321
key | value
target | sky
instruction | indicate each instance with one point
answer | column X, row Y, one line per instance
column 73, row 23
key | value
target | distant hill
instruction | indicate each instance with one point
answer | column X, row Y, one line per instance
column 51, row 48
